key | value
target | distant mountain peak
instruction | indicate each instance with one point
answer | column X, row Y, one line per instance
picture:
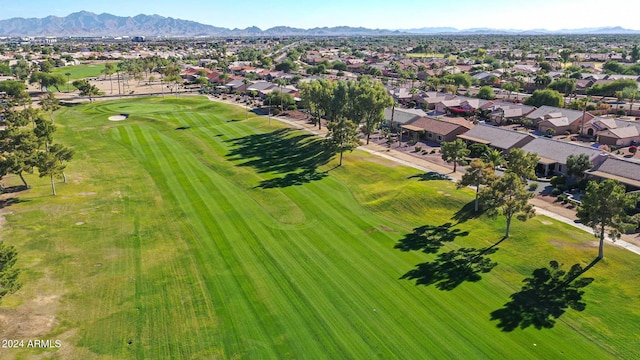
column 86, row 23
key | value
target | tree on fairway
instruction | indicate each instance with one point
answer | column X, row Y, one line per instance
column 508, row 196
column 577, row 165
column 603, row 207
column 478, row 173
column 317, row 95
column 455, row 152
column 342, row 136
column 86, row 89
column 370, row 103
column 50, row 104
column 522, row 163
column 8, row 273
column 17, row 152
column 47, row 80
column 63, row 155
column 49, row 166
column 43, row 131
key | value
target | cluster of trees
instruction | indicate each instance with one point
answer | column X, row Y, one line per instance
column 507, row 194
column 614, row 67
column 610, row 89
column 28, row 144
column 345, row 104
column 606, row 206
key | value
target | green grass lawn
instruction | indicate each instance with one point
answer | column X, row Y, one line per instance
column 79, row 72
column 188, row 232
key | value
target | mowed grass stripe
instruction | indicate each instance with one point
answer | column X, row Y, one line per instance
column 238, row 235
column 212, row 230
column 215, row 257
column 345, row 268
column 244, row 235
column 445, row 320
column 205, row 264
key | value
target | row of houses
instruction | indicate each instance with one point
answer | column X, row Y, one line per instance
column 552, row 153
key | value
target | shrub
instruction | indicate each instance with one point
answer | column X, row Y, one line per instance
column 433, row 151
column 556, row 192
column 558, row 180
column 533, row 186
column 562, row 197
column 424, row 152
column 418, row 148
column 633, row 149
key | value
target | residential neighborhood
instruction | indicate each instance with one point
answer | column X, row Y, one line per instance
column 171, row 189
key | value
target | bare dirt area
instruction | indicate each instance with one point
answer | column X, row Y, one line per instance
column 32, row 319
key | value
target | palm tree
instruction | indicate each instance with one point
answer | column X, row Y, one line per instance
column 493, row 156
column 281, row 83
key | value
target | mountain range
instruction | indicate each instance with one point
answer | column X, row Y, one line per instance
column 88, row 24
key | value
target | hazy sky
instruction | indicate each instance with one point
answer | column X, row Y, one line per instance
column 381, row 14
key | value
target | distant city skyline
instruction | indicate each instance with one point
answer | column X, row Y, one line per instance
column 373, row 14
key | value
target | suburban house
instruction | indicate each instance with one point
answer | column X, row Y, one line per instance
column 499, row 112
column 582, row 85
column 497, row 138
column 613, row 132
column 557, row 120
column 436, row 130
column 626, row 172
column 553, row 154
column 429, row 99
column 402, row 95
column 261, row 87
column 397, row 117
column 462, row 105
column 237, row 85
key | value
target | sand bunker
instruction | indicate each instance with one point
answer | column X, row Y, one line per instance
column 119, row 117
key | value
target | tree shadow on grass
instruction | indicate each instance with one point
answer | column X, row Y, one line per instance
column 428, row 176
column 452, row 268
column 292, row 179
column 545, row 296
column 287, row 152
column 4, row 203
column 467, row 212
column 429, row 238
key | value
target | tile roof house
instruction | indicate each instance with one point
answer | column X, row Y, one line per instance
column 437, row 130
column 626, row 172
column 499, row 111
column 497, row 138
column 560, row 120
column 613, row 132
column 431, row 98
column 553, row 154
column 402, row 116
column 462, row 105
